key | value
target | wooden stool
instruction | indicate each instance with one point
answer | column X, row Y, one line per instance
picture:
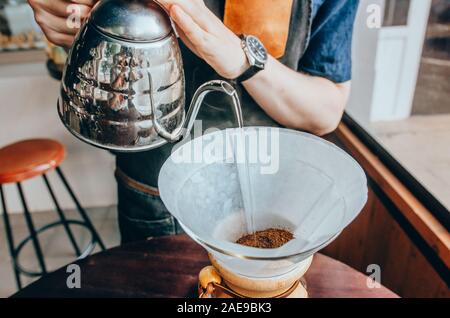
column 22, row 161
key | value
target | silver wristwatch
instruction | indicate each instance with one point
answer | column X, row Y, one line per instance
column 256, row 55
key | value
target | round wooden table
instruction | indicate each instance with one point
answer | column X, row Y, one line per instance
column 169, row 266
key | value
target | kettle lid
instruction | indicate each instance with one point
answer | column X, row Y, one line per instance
column 131, row 20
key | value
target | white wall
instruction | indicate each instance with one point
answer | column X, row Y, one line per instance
column 398, row 61
column 385, row 64
column 365, row 45
column 28, row 110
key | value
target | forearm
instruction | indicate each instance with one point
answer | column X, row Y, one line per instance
column 297, row 100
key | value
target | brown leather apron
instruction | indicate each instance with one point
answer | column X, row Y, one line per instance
column 269, row 20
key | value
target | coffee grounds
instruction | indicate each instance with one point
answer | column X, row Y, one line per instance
column 270, row 238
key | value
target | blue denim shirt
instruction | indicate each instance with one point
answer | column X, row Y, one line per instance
column 328, row 53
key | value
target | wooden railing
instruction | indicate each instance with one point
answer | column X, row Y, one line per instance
column 395, row 231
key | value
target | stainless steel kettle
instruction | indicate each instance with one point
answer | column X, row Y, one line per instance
column 123, row 85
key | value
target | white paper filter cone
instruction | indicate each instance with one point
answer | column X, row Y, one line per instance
column 299, row 182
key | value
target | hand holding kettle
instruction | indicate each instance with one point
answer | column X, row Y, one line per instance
column 208, row 37
column 52, row 17
column 123, row 86
column 199, row 28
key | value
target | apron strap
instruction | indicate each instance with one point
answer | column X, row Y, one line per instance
column 133, row 184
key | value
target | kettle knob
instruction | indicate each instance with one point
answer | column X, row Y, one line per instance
column 132, row 20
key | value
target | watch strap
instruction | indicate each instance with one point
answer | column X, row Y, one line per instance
column 249, row 73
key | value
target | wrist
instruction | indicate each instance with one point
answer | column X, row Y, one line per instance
column 262, row 76
column 240, row 61
column 244, row 65
column 256, row 56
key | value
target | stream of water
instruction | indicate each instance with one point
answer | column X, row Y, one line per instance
column 243, row 166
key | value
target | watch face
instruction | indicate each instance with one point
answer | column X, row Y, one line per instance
column 257, row 49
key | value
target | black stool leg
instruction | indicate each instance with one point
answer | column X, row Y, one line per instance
column 80, row 209
column 33, row 234
column 61, row 216
column 10, row 239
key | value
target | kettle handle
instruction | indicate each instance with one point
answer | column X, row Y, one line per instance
column 197, row 101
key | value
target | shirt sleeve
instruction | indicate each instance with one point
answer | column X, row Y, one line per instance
column 329, row 52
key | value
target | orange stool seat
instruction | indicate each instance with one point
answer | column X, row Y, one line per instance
column 29, row 158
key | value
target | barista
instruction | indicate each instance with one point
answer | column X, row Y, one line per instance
column 295, row 72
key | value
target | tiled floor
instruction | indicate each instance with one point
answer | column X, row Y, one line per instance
column 55, row 245
column 422, row 145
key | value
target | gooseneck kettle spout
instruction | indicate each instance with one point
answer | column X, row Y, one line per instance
column 123, row 86
column 197, row 101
